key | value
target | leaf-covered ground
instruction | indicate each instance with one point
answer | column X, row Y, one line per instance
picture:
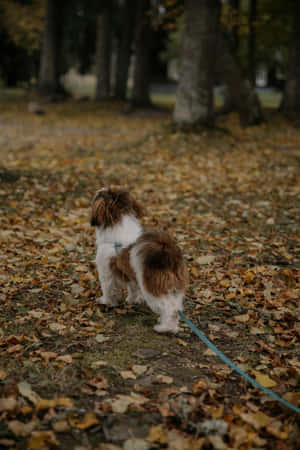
column 76, row 376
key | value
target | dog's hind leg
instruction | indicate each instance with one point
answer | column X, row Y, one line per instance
column 134, row 295
column 168, row 320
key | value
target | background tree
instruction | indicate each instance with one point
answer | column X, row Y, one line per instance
column 103, row 51
column 194, row 98
column 128, row 12
column 290, row 104
column 241, row 92
column 21, row 26
column 51, row 52
column 252, row 41
column 141, row 77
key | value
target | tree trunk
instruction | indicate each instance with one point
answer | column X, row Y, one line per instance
column 194, row 97
column 242, row 94
column 124, row 48
column 103, row 54
column 141, row 76
column 252, row 41
column 290, row 104
column 235, row 5
column 49, row 84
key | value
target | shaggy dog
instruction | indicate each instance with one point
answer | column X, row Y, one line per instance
column 148, row 264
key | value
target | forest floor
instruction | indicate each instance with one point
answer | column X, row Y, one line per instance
column 75, row 375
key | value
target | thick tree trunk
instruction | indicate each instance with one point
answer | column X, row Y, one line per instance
column 242, row 94
column 103, row 54
column 235, row 5
column 194, row 97
column 50, row 61
column 252, row 41
column 124, row 48
column 87, row 48
column 290, row 104
column 141, row 77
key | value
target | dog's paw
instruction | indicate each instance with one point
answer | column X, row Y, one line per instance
column 134, row 299
column 166, row 328
column 106, row 301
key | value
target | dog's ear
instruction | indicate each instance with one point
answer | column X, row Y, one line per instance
column 99, row 212
column 136, row 207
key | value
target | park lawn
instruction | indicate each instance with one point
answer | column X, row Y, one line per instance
column 76, row 375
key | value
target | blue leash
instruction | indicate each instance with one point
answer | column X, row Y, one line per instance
column 234, row 367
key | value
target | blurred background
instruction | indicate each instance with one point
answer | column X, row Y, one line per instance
column 134, row 50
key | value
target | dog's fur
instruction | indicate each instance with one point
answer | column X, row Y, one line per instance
column 149, row 264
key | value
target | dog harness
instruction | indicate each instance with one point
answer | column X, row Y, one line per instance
column 118, row 247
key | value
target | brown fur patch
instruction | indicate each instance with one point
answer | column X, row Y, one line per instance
column 110, row 205
column 164, row 267
column 120, row 266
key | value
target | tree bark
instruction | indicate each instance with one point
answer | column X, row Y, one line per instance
column 290, row 104
column 124, row 48
column 50, row 59
column 252, row 41
column 103, row 53
column 235, row 5
column 141, row 76
column 241, row 92
column 194, row 97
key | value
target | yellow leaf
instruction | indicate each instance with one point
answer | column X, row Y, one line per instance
column 3, row 374
column 89, row 420
column 158, row 434
column 42, row 440
column 264, row 380
column 257, row 420
column 45, row 403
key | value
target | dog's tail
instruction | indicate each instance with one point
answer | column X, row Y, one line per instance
column 162, row 261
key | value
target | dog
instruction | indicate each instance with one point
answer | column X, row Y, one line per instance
column 149, row 264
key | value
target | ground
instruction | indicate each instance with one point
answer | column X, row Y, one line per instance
column 74, row 374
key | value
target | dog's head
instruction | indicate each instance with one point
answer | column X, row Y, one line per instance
column 111, row 204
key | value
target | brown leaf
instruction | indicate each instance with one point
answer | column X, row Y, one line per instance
column 21, row 429
column 8, row 404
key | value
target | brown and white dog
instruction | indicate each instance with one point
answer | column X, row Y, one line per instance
column 149, row 264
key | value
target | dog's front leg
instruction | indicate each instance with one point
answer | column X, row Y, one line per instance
column 110, row 288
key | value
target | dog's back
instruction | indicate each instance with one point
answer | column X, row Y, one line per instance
column 159, row 263
column 164, row 269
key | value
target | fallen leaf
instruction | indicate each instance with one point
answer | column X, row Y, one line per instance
column 136, row 444
column 26, row 391
column 21, row 429
column 127, row 374
column 61, row 426
column 158, row 434
column 8, row 404
column 88, row 421
column 257, row 420
column 139, row 369
column 242, row 318
column 208, row 259
column 121, row 403
column 42, row 440
column 163, row 379
column 100, row 338
column 65, row 358
column 264, row 380
column 57, row 327
column 44, row 403
column 3, row 374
